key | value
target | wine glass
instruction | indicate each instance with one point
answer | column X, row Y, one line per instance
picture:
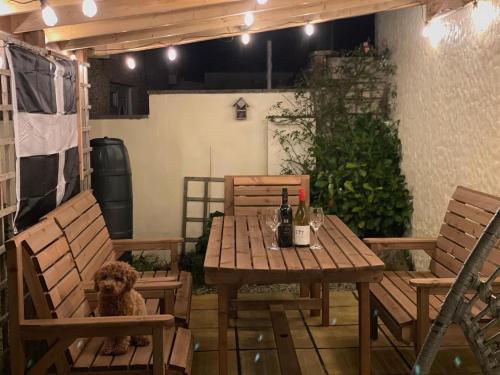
column 316, row 219
column 273, row 220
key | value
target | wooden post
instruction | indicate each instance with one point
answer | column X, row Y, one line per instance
column 364, row 328
column 315, row 293
column 81, row 57
column 325, row 303
column 223, row 296
column 16, row 307
column 158, row 352
column 423, row 320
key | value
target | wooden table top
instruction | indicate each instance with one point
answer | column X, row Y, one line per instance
column 237, row 253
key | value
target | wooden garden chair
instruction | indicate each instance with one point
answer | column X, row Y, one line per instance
column 407, row 302
column 252, row 195
column 82, row 223
column 64, row 318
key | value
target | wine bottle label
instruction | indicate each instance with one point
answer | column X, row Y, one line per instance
column 302, row 235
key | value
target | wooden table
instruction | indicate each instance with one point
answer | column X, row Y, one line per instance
column 237, row 254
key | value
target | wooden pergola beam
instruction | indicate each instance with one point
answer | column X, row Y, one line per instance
column 72, row 14
column 9, row 7
column 259, row 26
column 318, row 12
column 127, row 24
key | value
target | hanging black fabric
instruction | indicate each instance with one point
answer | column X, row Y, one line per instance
column 46, row 136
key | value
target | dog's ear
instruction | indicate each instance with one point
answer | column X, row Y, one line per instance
column 130, row 277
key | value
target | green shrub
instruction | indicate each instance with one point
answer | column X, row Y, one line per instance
column 193, row 261
column 349, row 144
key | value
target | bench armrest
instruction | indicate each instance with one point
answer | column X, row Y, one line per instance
column 400, row 243
column 42, row 329
column 145, row 284
column 149, row 244
column 440, row 286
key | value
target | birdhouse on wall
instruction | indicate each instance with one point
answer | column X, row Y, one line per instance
column 241, row 109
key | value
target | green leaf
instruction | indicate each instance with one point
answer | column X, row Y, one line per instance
column 348, row 185
column 351, row 165
column 361, row 224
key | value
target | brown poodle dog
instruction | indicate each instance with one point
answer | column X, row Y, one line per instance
column 114, row 282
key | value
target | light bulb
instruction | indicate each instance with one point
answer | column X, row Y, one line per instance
column 48, row 15
column 130, row 63
column 249, row 18
column 5, row 7
column 72, row 57
column 171, row 53
column 261, row 2
column 89, row 8
column 435, row 30
column 245, row 38
column 482, row 15
column 309, row 29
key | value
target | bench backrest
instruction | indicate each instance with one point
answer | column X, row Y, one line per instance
column 468, row 213
column 52, row 277
column 82, row 223
column 251, row 195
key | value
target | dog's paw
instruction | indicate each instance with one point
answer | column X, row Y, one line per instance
column 140, row 340
column 108, row 348
column 112, row 347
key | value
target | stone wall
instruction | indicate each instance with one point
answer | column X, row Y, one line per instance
column 449, row 106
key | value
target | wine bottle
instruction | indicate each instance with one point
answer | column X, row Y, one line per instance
column 285, row 230
column 302, row 231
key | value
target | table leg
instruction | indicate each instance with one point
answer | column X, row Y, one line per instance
column 223, row 297
column 364, row 328
column 315, row 293
column 325, row 303
column 233, row 294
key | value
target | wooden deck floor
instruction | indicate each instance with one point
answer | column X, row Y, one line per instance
column 321, row 350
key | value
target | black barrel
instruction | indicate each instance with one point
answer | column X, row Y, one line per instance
column 112, row 184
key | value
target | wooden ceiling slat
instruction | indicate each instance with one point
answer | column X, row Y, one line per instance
column 127, row 24
column 316, row 11
column 72, row 14
column 259, row 26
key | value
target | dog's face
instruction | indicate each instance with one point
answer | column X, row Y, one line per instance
column 115, row 278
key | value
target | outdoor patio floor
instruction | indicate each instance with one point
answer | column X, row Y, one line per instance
column 331, row 350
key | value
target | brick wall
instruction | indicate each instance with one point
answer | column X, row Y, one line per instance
column 103, row 72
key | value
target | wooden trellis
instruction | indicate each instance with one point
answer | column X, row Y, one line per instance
column 206, row 198
column 7, row 186
column 8, row 202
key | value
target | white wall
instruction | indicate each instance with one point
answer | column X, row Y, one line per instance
column 449, row 106
column 192, row 134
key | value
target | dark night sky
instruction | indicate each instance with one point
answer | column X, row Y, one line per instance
column 291, row 50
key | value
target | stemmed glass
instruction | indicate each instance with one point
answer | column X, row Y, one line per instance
column 273, row 220
column 316, row 219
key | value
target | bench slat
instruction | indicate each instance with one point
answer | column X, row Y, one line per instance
column 289, row 363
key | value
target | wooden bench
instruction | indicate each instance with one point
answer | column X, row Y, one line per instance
column 408, row 302
column 65, row 321
column 83, row 225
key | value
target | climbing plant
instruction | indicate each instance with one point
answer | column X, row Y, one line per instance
column 339, row 130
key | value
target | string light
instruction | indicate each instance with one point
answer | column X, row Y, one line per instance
column 309, row 29
column 48, row 14
column 5, row 8
column 483, row 15
column 261, row 2
column 130, row 61
column 245, row 38
column 434, row 30
column 89, row 8
column 171, row 53
column 249, row 19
